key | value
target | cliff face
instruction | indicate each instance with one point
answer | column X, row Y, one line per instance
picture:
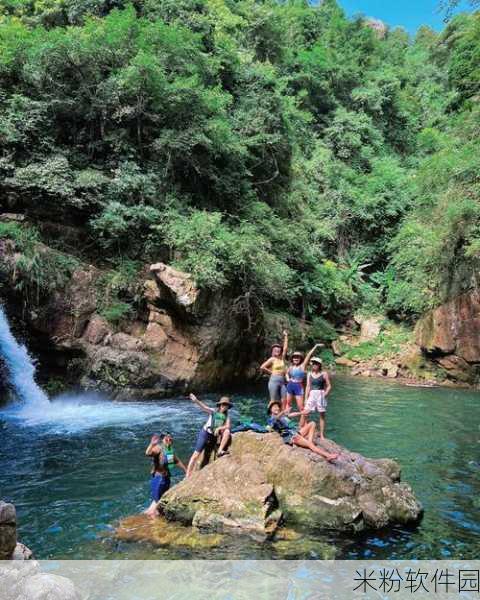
column 450, row 335
column 180, row 337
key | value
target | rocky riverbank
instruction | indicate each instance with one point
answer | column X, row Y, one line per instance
column 442, row 349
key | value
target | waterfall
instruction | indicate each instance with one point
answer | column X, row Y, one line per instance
column 20, row 367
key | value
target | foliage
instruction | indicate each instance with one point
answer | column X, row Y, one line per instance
column 280, row 151
column 36, row 269
column 388, row 344
column 118, row 291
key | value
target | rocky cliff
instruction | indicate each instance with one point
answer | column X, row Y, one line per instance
column 450, row 336
column 178, row 336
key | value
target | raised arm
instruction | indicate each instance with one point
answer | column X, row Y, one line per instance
column 202, row 405
column 266, row 366
column 153, row 447
column 329, row 384
column 310, row 354
column 285, row 344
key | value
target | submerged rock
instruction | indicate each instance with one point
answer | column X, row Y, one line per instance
column 263, row 481
column 160, row 532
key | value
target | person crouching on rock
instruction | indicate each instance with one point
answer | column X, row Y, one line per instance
column 160, row 475
column 279, row 422
column 318, row 388
column 217, row 428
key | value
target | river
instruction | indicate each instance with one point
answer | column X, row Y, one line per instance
column 74, row 469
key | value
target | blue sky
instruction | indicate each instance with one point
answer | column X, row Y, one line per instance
column 406, row 13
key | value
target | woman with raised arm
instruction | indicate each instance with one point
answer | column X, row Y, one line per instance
column 217, row 427
column 160, row 475
column 276, row 367
column 296, row 374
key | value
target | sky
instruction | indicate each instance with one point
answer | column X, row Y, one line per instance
column 409, row 14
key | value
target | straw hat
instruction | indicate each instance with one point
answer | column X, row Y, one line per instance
column 317, row 360
column 299, row 354
column 225, row 401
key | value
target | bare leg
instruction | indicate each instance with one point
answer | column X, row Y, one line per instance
column 299, row 440
column 300, row 405
column 224, row 442
column 322, row 425
column 192, row 463
column 308, row 431
column 152, row 510
column 287, row 402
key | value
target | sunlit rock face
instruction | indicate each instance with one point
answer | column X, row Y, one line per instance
column 178, row 337
column 450, row 335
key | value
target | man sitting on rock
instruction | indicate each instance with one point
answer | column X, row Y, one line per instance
column 278, row 421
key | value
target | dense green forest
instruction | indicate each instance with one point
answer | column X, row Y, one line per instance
column 300, row 160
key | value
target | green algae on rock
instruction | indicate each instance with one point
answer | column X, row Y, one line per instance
column 263, row 482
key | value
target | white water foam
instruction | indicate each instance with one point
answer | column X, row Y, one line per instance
column 20, row 367
column 70, row 413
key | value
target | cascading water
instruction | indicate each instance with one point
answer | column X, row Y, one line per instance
column 20, row 367
column 67, row 412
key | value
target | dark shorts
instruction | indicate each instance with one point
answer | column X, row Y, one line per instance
column 159, row 484
column 204, row 438
column 294, row 388
column 288, row 437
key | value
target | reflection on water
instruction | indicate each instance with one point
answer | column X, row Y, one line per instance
column 73, row 471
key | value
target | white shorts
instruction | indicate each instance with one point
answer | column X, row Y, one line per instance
column 317, row 401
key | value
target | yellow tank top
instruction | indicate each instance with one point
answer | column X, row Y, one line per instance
column 278, row 366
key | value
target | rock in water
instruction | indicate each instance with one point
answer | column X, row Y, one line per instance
column 263, row 479
column 8, row 530
column 159, row 532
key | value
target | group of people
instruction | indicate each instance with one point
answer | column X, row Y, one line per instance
column 303, row 380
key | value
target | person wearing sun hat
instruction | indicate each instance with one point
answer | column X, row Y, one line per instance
column 296, row 374
column 217, row 427
column 276, row 367
column 318, row 388
column 279, row 421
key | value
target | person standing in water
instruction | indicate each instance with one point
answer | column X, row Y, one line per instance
column 276, row 367
column 318, row 388
column 303, row 437
column 172, row 458
column 160, row 474
column 217, row 427
column 296, row 375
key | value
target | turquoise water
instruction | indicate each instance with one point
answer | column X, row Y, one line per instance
column 73, row 471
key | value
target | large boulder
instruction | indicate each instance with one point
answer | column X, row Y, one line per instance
column 370, row 327
column 263, row 480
